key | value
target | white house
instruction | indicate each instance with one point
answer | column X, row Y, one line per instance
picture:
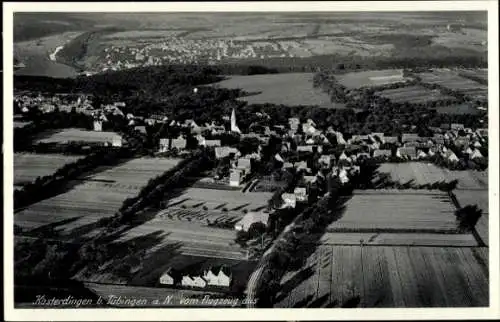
column 163, row 145
column 218, row 277
column 98, row 125
column 235, row 177
column 476, row 155
column 300, row 194
column 289, row 200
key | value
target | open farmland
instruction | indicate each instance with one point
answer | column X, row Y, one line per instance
column 413, row 94
column 77, row 135
column 371, row 78
column 422, row 173
column 290, row 89
column 480, row 74
column 98, row 196
column 453, row 81
column 382, row 276
column 397, row 211
column 29, row 166
column 458, row 109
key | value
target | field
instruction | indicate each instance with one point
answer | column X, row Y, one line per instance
column 98, row 196
column 413, row 94
column 453, row 81
column 457, row 109
column 290, row 89
column 76, row 135
column 397, row 211
column 422, row 173
column 29, row 166
column 371, row 78
column 479, row 73
column 381, row 276
column 21, row 124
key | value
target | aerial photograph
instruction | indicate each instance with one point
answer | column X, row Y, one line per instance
column 250, row 159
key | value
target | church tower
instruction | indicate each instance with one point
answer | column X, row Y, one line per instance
column 234, row 127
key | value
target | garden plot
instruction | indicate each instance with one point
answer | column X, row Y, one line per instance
column 421, row 173
column 413, row 94
column 29, row 166
column 397, row 211
column 354, row 276
column 371, row 78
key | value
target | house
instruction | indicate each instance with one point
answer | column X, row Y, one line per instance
column 305, row 148
column 310, row 179
column 224, row 151
column 251, row 218
column 294, row 123
column 325, row 160
column 287, row 165
column 300, row 194
column 310, row 141
column 409, row 137
column 445, row 126
column 382, row 153
column 343, row 177
column 391, row 139
column 457, row 126
column 301, row 165
column 379, row 135
column 340, row 138
column 164, row 145
column 407, row 152
column 278, row 158
column 421, row 155
column 477, row 144
column 245, row 165
column 170, row 277
column 179, row 143
column 343, row 157
column 362, row 155
column 476, row 155
column 452, row 157
column 462, row 141
column 218, row 276
column 141, row 128
column 235, row 177
column 469, row 151
column 308, row 128
column 193, row 281
column 98, row 125
column 289, row 200
column 214, row 143
column 482, row 132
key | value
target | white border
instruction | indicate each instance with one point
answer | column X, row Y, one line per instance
column 493, row 311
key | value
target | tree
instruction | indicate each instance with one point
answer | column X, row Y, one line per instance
column 468, row 217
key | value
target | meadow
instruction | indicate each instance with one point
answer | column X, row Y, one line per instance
column 452, row 80
column 291, row 89
column 371, row 78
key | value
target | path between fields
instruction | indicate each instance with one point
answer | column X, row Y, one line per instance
column 254, row 280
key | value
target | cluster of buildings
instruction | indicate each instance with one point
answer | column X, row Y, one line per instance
column 220, row 277
column 175, row 50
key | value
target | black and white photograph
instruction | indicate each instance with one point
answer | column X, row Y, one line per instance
column 244, row 156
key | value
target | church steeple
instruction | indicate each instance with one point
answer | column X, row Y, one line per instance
column 234, row 127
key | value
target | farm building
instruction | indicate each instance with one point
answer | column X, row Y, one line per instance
column 140, row 128
column 245, row 165
column 410, row 137
column 305, row 148
column 214, row 143
column 67, row 136
column 218, row 276
column 251, row 218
